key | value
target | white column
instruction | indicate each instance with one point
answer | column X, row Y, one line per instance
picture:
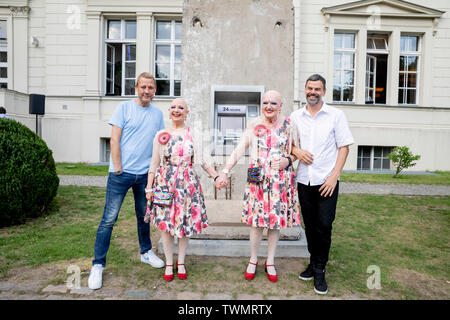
column 19, row 39
column 394, row 67
column 144, row 43
column 425, row 64
column 360, row 65
column 95, row 68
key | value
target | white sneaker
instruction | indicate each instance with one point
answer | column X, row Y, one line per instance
column 151, row 258
column 95, row 277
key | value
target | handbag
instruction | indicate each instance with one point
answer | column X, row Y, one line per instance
column 254, row 175
column 164, row 196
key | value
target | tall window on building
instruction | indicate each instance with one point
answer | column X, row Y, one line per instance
column 409, row 66
column 373, row 158
column 168, row 57
column 376, row 68
column 344, row 67
column 120, row 58
column 3, row 55
column 105, row 149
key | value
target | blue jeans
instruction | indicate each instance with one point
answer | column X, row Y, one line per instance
column 116, row 190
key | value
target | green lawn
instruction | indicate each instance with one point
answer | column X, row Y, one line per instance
column 64, row 168
column 443, row 178
column 406, row 237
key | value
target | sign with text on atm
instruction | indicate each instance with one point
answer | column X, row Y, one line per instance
column 231, row 109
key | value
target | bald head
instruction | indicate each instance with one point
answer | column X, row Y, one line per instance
column 178, row 101
column 178, row 110
column 272, row 95
column 271, row 105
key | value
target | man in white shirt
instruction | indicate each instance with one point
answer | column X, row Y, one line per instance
column 324, row 145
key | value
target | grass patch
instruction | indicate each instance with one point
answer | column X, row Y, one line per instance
column 443, row 178
column 82, row 169
column 406, row 237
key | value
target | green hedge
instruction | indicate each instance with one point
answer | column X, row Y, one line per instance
column 28, row 179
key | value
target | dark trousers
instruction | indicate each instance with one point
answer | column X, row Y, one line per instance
column 318, row 215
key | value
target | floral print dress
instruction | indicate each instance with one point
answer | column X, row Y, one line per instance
column 272, row 203
column 187, row 214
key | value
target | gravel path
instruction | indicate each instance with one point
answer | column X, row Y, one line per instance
column 345, row 187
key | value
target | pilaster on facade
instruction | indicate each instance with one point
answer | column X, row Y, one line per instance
column 144, row 32
column 94, row 61
column 19, row 47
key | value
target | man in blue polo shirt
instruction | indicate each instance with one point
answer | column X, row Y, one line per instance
column 134, row 125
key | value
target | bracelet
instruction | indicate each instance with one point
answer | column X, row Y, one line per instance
column 290, row 161
column 148, row 190
column 216, row 178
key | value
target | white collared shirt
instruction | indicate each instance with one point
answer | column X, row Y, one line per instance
column 321, row 135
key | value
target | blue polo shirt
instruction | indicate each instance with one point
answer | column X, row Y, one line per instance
column 139, row 126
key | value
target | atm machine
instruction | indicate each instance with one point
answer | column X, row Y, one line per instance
column 233, row 107
column 231, row 122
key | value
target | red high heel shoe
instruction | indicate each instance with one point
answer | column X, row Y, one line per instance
column 168, row 277
column 249, row 275
column 273, row 278
column 181, row 276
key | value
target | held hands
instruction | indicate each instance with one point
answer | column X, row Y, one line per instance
column 221, row 181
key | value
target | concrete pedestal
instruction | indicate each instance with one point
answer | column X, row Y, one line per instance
column 227, row 236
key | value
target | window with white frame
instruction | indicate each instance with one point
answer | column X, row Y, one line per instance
column 167, row 55
column 409, row 69
column 344, row 67
column 3, row 55
column 376, row 68
column 373, row 158
column 120, row 57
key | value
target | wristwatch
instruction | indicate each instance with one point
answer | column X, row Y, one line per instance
column 117, row 173
column 148, row 190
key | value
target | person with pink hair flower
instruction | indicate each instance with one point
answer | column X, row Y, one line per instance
column 176, row 204
column 270, row 198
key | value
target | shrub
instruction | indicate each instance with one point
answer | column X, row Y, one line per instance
column 28, row 179
column 402, row 159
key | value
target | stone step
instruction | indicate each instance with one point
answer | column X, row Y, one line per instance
column 224, row 218
column 227, row 236
column 223, row 210
column 241, row 248
column 241, row 231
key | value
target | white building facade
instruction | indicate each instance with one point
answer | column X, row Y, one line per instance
column 387, row 65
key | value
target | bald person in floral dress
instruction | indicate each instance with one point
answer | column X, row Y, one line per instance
column 270, row 203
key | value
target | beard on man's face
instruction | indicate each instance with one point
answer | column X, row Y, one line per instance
column 313, row 99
